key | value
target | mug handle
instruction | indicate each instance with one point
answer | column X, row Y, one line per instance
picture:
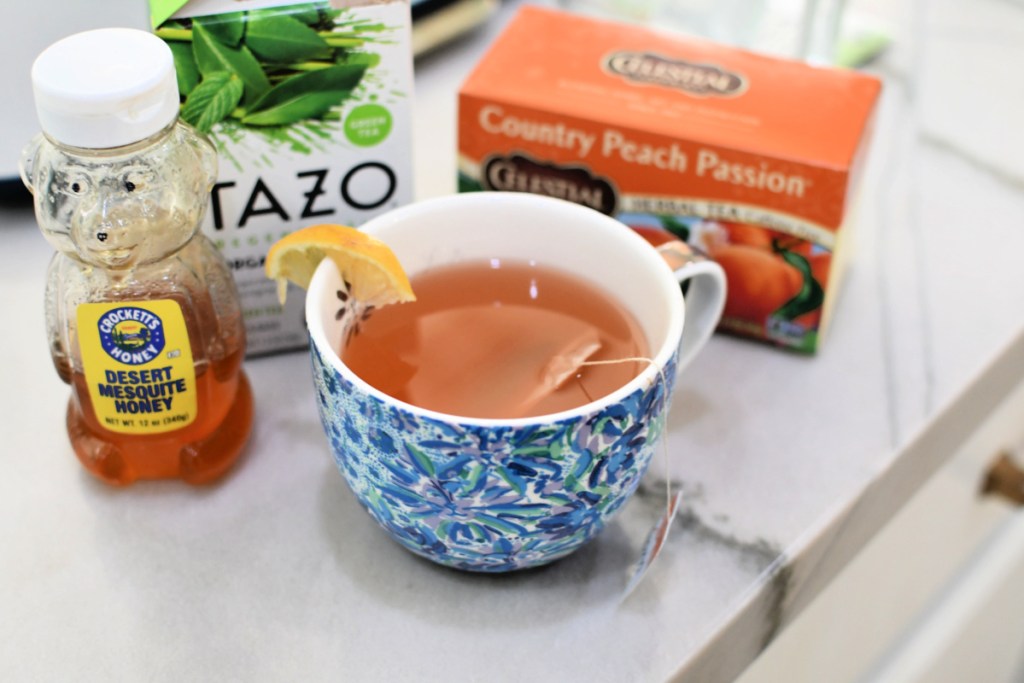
column 704, row 287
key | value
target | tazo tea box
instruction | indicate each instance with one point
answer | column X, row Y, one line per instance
column 748, row 157
column 309, row 106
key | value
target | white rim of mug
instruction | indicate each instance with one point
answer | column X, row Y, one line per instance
column 652, row 373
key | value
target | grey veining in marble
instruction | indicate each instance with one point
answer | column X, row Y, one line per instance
column 789, row 464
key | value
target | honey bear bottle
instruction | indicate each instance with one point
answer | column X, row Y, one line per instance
column 142, row 313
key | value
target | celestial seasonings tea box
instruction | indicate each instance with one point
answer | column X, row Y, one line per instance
column 751, row 158
column 309, row 107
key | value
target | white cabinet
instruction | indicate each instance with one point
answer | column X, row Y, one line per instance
column 937, row 595
column 974, row 631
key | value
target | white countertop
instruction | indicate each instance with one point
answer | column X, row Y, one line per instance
column 789, row 464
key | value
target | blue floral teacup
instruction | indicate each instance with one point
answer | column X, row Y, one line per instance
column 504, row 494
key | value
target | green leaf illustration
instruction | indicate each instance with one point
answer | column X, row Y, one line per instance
column 308, row 13
column 810, row 296
column 367, row 59
column 675, row 226
column 467, row 184
column 282, row 38
column 331, row 15
column 212, row 100
column 213, row 56
column 473, row 476
column 227, row 28
column 185, row 66
column 420, row 459
column 305, row 95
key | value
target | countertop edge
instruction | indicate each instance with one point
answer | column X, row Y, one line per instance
column 809, row 565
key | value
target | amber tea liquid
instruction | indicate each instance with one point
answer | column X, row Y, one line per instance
column 498, row 339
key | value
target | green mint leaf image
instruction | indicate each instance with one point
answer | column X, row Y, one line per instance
column 306, row 95
column 308, row 13
column 675, row 226
column 810, row 296
column 362, row 27
column 227, row 28
column 213, row 56
column 332, row 15
column 295, row 64
column 185, row 66
column 282, row 38
column 468, row 184
column 367, row 59
column 212, row 100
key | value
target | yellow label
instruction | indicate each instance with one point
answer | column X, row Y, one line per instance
column 138, row 365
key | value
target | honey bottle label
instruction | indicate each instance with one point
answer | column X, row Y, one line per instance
column 138, row 365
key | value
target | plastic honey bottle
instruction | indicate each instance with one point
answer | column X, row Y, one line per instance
column 142, row 313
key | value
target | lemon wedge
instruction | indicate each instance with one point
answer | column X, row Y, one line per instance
column 370, row 268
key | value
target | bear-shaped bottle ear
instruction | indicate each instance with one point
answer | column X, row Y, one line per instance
column 27, row 163
column 208, row 158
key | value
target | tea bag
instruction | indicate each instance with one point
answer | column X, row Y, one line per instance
column 499, row 361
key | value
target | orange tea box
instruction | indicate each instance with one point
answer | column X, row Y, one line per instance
column 748, row 157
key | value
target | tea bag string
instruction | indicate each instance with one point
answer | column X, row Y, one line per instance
column 659, row 532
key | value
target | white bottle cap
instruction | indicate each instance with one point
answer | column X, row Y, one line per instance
column 105, row 88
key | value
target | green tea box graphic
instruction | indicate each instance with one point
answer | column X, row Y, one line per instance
column 309, row 107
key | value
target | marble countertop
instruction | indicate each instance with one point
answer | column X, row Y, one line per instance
column 789, row 464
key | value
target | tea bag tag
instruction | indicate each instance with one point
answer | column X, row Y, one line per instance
column 656, row 537
column 654, row 543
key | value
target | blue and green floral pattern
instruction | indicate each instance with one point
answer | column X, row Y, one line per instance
column 489, row 498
